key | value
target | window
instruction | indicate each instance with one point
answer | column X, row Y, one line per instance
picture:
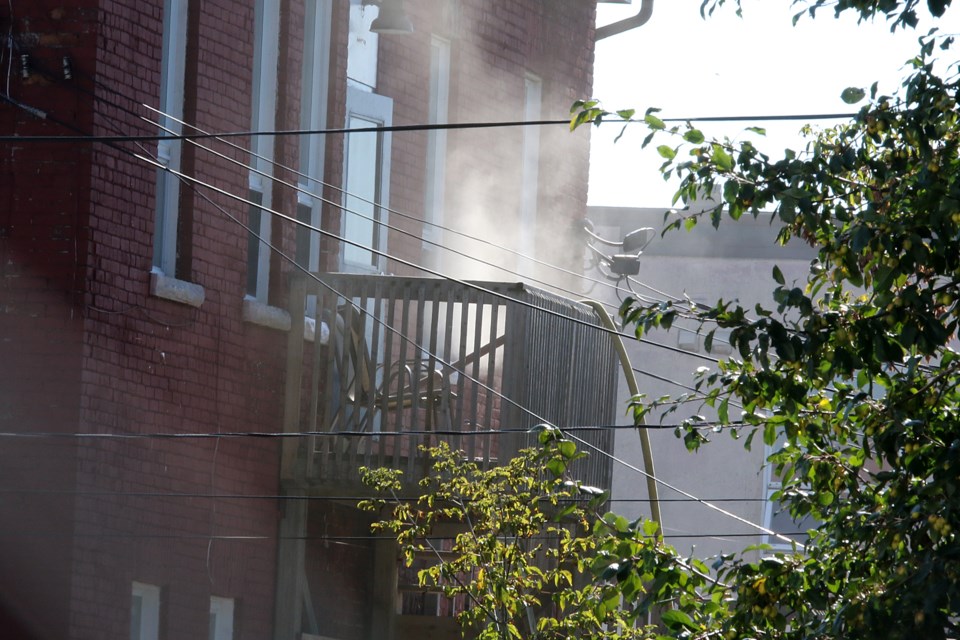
column 264, row 107
column 366, row 181
column 144, row 612
column 438, row 112
column 169, row 151
column 221, row 618
column 533, row 96
column 362, row 47
column 313, row 115
column 776, row 516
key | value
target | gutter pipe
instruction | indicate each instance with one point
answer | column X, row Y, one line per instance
column 646, row 10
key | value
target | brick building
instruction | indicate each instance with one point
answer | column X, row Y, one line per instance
column 144, row 314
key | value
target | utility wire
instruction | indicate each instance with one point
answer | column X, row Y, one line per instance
column 196, row 182
column 204, row 435
column 464, row 283
column 299, row 497
column 200, row 537
column 686, row 494
column 278, row 165
column 424, row 350
column 370, row 218
column 396, row 212
column 403, row 128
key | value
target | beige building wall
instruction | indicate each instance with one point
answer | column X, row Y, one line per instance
column 734, row 262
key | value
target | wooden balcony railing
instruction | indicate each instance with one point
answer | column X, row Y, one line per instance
column 413, row 361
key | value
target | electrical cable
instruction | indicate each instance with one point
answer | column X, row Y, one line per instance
column 364, row 216
column 339, row 189
column 9, row 49
column 504, row 398
column 321, row 538
column 196, row 182
column 686, row 494
column 377, row 221
column 206, row 435
column 295, row 497
column 425, row 351
column 402, row 128
column 343, row 191
column 464, row 283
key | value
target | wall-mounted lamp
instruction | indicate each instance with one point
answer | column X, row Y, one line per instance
column 24, row 66
column 392, row 19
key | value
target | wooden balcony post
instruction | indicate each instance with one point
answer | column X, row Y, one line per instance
column 291, row 406
column 384, row 611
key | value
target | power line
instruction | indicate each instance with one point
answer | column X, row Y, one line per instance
column 402, row 261
column 195, row 182
column 299, row 497
column 424, row 350
column 58, row 78
column 373, row 219
column 263, row 435
column 339, row 206
column 403, row 128
column 686, row 494
column 321, row 538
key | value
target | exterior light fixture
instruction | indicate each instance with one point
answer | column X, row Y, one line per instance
column 392, row 19
column 24, row 66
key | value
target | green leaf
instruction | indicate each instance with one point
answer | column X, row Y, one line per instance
column 556, row 467
column 676, row 619
column 694, row 135
column 654, row 122
column 666, row 152
column 626, row 114
column 567, row 449
column 778, row 275
column 853, row 95
column 723, row 160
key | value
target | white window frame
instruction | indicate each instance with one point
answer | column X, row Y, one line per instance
column 363, row 47
column 149, row 611
column 379, row 111
column 169, row 152
column 315, row 81
column 221, row 618
column 263, row 118
column 770, row 506
column 530, row 168
column 438, row 113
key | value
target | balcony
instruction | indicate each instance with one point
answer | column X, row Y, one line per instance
column 413, row 361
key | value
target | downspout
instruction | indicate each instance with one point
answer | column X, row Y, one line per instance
column 652, row 491
column 646, row 10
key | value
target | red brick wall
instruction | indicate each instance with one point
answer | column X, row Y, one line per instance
column 156, row 366
column 85, row 348
column 494, row 43
column 43, row 201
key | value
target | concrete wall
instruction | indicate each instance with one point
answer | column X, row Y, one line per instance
column 734, row 262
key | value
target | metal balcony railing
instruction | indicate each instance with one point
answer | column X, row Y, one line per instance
column 412, row 361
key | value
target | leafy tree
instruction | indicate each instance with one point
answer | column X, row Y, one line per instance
column 534, row 558
column 855, row 369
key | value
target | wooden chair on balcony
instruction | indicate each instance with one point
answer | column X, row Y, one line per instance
column 364, row 391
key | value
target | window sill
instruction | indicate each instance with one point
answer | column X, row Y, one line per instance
column 188, row 293
column 271, row 317
column 265, row 315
